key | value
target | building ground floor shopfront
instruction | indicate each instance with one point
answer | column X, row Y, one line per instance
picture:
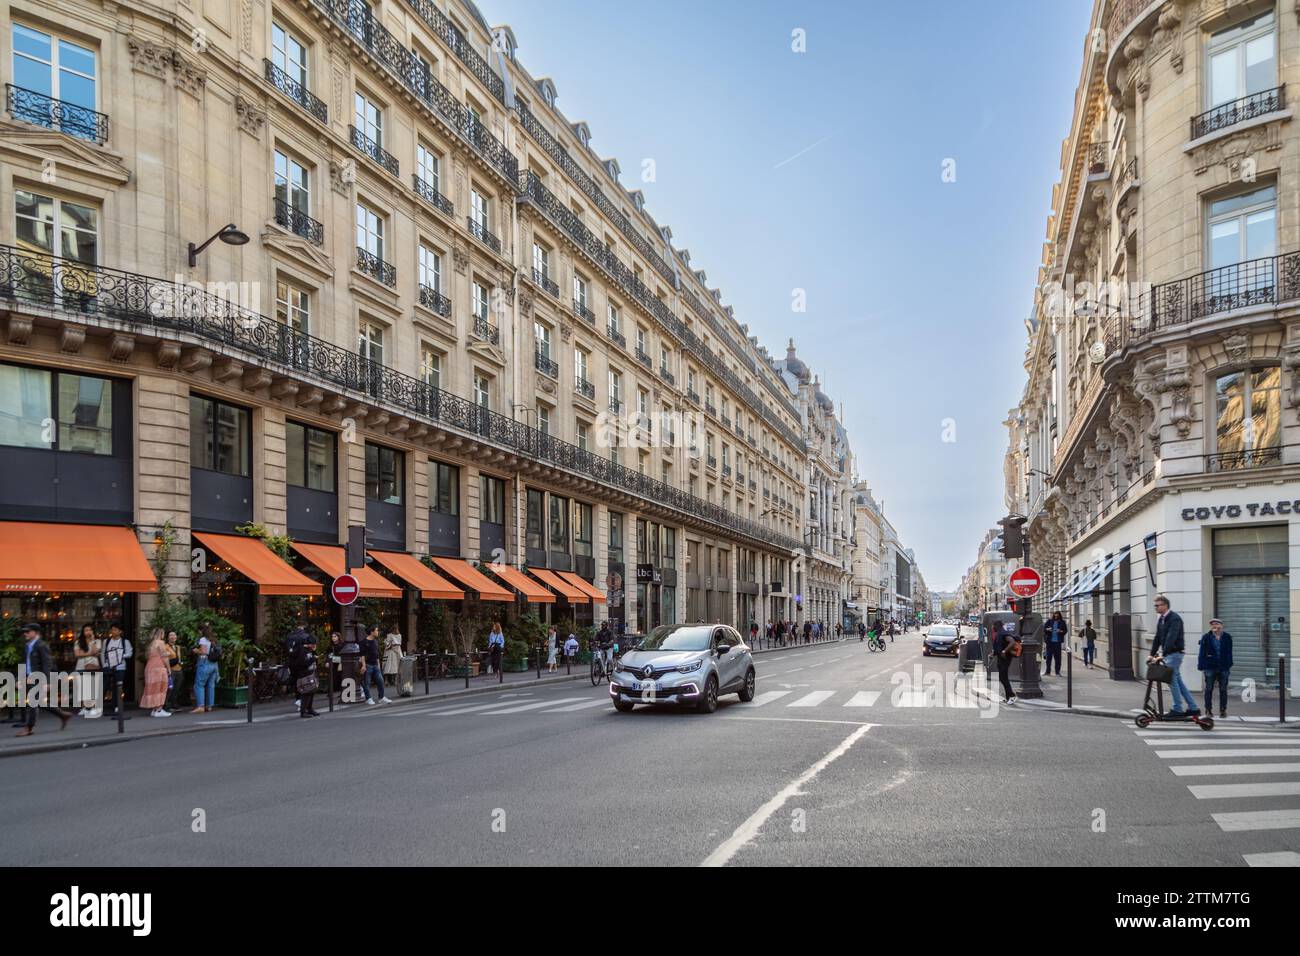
column 1215, row 549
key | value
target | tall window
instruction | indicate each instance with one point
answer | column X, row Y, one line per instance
column 534, row 527
column 482, row 397
column 430, row 267
column 580, row 290
column 61, row 70
column 309, row 457
column 1242, row 61
column 428, row 165
column 369, row 119
column 579, row 366
column 370, row 231
column 583, row 535
column 559, row 538
column 615, row 388
column 1242, row 227
column 480, row 300
column 370, row 342
column 292, row 185
column 542, row 339
column 543, row 419
column 541, row 261
column 641, row 340
column 84, row 403
column 615, row 323
column 220, row 436
column 478, row 209
column 292, row 306
column 289, row 54
column 492, row 499
column 56, row 226
column 1248, row 410
column 584, row 436
column 430, row 367
column 384, row 474
column 444, row 488
column 616, row 535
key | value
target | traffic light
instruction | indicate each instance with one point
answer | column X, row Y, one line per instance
column 1013, row 545
column 356, row 554
column 1020, row 605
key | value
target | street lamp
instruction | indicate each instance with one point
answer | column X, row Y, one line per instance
column 230, row 234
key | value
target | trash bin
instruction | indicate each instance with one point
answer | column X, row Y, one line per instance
column 406, row 676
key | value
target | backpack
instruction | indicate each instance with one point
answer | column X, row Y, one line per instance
column 214, row 653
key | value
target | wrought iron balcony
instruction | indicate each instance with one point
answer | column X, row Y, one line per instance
column 616, row 406
column 430, row 195
column 1238, row 111
column 726, row 422
column 545, row 281
column 1242, row 285
column 642, row 357
column 711, row 409
column 726, row 471
column 376, row 268
column 584, row 388
column 298, row 222
column 364, row 144
column 149, row 306
column 29, row 106
column 692, row 395
column 450, row 35
column 545, row 364
column 667, row 375
column 713, row 462
column 616, row 336
column 581, row 311
column 750, row 438
column 480, row 232
column 435, row 301
column 486, row 331
column 753, row 485
column 1127, row 175
column 740, row 478
column 296, row 91
column 1239, row 460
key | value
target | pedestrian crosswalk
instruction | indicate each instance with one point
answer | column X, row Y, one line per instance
column 1245, row 764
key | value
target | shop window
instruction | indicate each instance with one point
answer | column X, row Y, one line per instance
column 534, row 527
column 582, row 530
column 384, row 467
column 309, row 457
column 220, row 437
column 444, row 488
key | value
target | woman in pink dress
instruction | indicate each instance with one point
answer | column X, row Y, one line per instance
column 155, row 676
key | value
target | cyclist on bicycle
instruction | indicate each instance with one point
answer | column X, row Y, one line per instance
column 605, row 645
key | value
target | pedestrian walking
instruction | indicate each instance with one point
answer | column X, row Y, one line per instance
column 1215, row 661
column 496, row 647
column 753, row 631
column 302, row 669
column 1169, row 648
column 156, row 670
column 392, row 654
column 1006, row 647
column 175, row 673
column 87, row 652
column 571, row 648
column 552, row 648
column 1089, row 644
column 374, row 677
column 1053, row 640
column 117, row 650
column 207, row 671
column 38, row 691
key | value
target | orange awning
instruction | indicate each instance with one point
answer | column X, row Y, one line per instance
column 533, row 592
column 571, row 594
column 331, row 559
column 595, row 593
column 255, row 561
column 44, row 556
column 414, row 572
column 462, row 572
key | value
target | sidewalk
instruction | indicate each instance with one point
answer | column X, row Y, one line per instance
column 81, row 732
column 1096, row 695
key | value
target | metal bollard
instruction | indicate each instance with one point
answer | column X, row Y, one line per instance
column 118, row 703
column 539, row 661
column 1069, row 677
column 467, row 671
column 426, row 674
column 249, row 685
column 1281, row 688
column 329, row 687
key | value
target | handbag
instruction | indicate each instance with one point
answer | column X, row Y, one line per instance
column 308, row 684
column 1160, row 673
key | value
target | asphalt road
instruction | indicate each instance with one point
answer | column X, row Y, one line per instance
column 842, row 759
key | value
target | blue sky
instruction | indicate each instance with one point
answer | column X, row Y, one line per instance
column 822, row 171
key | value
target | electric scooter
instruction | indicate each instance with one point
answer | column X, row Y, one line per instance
column 1152, row 712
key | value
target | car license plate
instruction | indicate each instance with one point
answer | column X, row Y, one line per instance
column 643, row 687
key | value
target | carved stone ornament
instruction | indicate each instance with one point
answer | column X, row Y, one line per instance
column 526, row 305
column 342, row 176
column 1168, row 33
column 460, row 258
column 156, row 60
column 1180, row 411
column 1237, row 346
column 1233, row 152
column 546, row 384
column 566, row 331
column 251, row 119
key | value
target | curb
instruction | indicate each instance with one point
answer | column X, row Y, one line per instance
column 1051, row 707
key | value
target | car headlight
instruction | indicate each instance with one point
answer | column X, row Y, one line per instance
column 690, row 668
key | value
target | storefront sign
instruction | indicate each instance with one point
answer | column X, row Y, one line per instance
column 1252, row 510
column 647, row 574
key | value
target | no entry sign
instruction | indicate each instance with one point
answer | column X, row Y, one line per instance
column 345, row 589
column 1024, row 582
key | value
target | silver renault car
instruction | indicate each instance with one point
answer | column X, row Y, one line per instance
column 684, row 664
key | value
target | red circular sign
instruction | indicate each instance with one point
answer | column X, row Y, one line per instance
column 345, row 589
column 1024, row 582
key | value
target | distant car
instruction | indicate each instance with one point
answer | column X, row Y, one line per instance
column 685, row 664
column 941, row 639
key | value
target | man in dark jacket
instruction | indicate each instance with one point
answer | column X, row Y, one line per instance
column 37, row 660
column 1003, row 645
column 1054, row 633
column 1169, row 647
column 302, row 663
column 1214, row 661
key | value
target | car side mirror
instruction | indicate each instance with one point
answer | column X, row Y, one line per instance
column 723, row 648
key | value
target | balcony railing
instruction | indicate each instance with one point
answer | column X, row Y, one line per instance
column 430, row 195
column 450, row 35
column 711, row 409
column 1238, row 111
column 1242, row 285
column 298, row 222
column 584, row 388
column 726, row 471
column 692, row 395
column 642, row 357
column 486, row 331
column 29, row 106
column 616, row 336
column 364, row 144
column 666, row 374
column 376, row 268
column 480, row 232
column 581, row 311
column 165, row 309
column 435, row 301
column 1128, row 175
column 713, row 462
column 545, row 364
column 545, row 281
column 1240, row 460
column 291, row 88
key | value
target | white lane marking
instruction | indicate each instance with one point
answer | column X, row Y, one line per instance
column 440, row 711
column 863, row 698
column 1262, row 740
column 1218, row 732
column 520, row 708
column 813, row 699
column 1221, row 791
column 1224, row 769
column 767, row 697
column 591, row 703
column 1257, row 820
column 749, row 829
column 1228, row 752
column 1278, row 858
column 794, row 669
column 803, row 720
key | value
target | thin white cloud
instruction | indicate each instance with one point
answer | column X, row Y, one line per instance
column 802, row 151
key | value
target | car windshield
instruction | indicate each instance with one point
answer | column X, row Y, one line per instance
column 943, row 630
column 677, row 637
